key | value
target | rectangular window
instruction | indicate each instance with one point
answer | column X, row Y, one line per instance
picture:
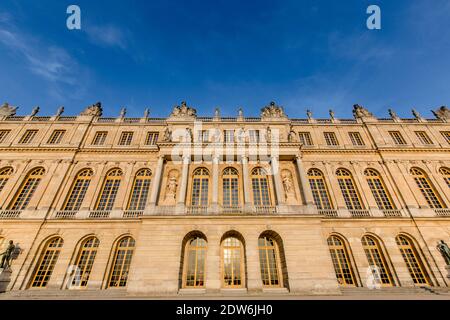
column 152, row 138
column 125, row 138
column 446, row 135
column 3, row 135
column 423, row 137
column 254, row 136
column 203, row 136
column 356, row 138
column 305, row 138
column 99, row 138
column 229, row 136
column 397, row 137
column 330, row 138
column 28, row 136
column 56, row 137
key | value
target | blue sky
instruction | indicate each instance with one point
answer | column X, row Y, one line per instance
column 302, row 54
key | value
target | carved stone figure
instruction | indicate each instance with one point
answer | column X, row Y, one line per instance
column 167, row 135
column 292, row 136
column 361, row 112
column 171, row 188
column 146, row 113
column 60, row 111
column 309, row 114
column 443, row 113
column 34, row 111
column 188, row 135
column 240, row 113
column 416, row 114
column 272, row 111
column 332, row 115
column 94, row 111
column 7, row 111
column 217, row 113
column 240, row 137
column 393, row 115
column 123, row 112
column 183, row 111
column 6, row 255
column 288, row 186
column 268, row 134
column 445, row 251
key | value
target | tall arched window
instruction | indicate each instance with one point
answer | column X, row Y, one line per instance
column 348, row 189
column 269, row 260
column 47, row 262
column 141, row 187
column 85, row 261
column 230, row 187
column 319, row 189
column 341, row 261
column 200, row 187
column 260, row 186
column 195, row 259
column 27, row 189
column 379, row 191
column 120, row 268
column 376, row 258
column 412, row 259
column 5, row 174
column 233, row 264
column 109, row 190
column 78, row 190
column 444, row 171
column 428, row 191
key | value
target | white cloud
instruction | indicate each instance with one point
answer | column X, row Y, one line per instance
column 107, row 35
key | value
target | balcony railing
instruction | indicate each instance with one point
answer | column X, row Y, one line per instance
column 231, row 210
column 197, row 210
column 329, row 213
column 444, row 212
column 66, row 214
column 99, row 214
column 10, row 214
column 132, row 213
column 392, row 213
column 360, row 213
column 264, row 209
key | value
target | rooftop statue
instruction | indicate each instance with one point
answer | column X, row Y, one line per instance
column 416, row 114
column 60, row 111
column 272, row 111
column 183, row 111
column 94, row 111
column 309, row 114
column 34, row 111
column 443, row 113
column 146, row 113
column 123, row 112
column 7, row 111
column 393, row 115
column 444, row 250
column 360, row 112
column 332, row 117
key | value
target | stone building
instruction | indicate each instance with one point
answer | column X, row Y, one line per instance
column 222, row 205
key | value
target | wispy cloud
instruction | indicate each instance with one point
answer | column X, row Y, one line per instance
column 107, row 35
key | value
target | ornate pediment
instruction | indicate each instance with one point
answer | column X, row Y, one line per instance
column 183, row 112
column 359, row 112
column 273, row 112
column 6, row 110
column 93, row 111
column 443, row 113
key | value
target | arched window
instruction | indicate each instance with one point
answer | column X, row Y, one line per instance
column 27, row 189
column 319, row 189
column 341, row 261
column 444, row 171
column 428, row 191
column 109, row 190
column 78, row 190
column 230, row 187
column 269, row 260
column 200, row 187
column 47, row 262
column 348, row 189
column 5, row 174
column 141, row 187
column 379, row 191
column 412, row 259
column 260, row 186
column 375, row 256
column 120, row 268
column 85, row 261
column 195, row 259
column 233, row 264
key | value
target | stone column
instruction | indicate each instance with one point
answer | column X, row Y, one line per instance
column 277, row 181
column 184, row 181
column 156, row 182
column 245, row 177
column 305, row 187
column 215, row 182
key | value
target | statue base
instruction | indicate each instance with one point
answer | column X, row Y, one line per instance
column 448, row 271
column 5, row 279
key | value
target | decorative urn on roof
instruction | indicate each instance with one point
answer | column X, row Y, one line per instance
column 7, row 111
column 93, row 111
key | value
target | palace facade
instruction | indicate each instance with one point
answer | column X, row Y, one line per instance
column 222, row 205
